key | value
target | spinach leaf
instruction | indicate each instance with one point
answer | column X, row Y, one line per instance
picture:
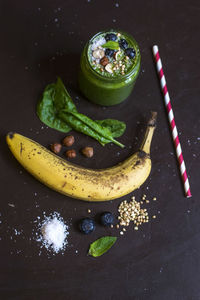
column 102, row 245
column 55, row 98
column 78, row 125
column 97, row 128
column 47, row 110
column 61, row 98
column 116, row 127
column 57, row 110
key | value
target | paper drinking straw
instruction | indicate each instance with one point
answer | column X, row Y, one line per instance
column 172, row 122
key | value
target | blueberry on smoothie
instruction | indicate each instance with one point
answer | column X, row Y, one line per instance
column 130, row 52
column 110, row 37
column 123, row 44
column 109, row 52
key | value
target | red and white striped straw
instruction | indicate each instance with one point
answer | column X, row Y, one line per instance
column 172, row 122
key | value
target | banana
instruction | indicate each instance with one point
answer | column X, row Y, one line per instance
column 81, row 183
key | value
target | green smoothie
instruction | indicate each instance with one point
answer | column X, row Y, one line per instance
column 110, row 64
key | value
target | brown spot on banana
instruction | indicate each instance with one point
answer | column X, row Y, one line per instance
column 64, row 184
column 21, row 148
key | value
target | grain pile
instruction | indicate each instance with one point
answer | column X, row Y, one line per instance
column 132, row 211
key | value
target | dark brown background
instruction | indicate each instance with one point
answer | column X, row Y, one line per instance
column 43, row 39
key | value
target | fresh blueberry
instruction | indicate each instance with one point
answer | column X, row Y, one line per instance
column 123, row 44
column 130, row 52
column 107, row 219
column 110, row 37
column 87, row 225
column 109, row 52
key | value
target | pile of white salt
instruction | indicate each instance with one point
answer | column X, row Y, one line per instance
column 53, row 233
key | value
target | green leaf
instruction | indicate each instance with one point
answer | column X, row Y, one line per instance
column 62, row 98
column 116, row 127
column 80, row 126
column 47, row 111
column 102, row 245
column 57, row 110
column 54, row 99
column 111, row 45
column 93, row 127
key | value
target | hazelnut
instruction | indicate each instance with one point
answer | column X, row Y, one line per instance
column 104, row 61
column 88, row 151
column 68, row 140
column 56, row 147
column 70, row 153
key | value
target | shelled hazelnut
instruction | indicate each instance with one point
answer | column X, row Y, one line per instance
column 88, row 151
column 68, row 141
column 56, row 147
column 70, row 153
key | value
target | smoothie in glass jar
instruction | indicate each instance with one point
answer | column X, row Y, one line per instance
column 110, row 64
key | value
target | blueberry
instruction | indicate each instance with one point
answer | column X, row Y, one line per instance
column 87, row 225
column 107, row 219
column 130, row 52
column 110, row 37
column 109, row 52
column 123, row 44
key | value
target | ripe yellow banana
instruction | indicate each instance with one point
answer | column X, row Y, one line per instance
column 78, row 182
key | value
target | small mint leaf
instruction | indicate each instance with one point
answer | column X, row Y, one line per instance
column 102, row 245
column 111, row 45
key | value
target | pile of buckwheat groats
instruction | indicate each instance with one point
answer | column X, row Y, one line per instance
column 132, row 211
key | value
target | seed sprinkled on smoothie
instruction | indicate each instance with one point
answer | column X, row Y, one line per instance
column 111, row 54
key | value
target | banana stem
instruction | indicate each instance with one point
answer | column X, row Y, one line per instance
column 146, row 143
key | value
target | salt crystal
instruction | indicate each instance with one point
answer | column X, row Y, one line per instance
column 54, row 233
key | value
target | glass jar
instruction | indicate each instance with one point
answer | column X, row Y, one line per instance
column 105, row 90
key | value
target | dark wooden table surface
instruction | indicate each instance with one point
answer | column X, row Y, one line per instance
column 41, row 40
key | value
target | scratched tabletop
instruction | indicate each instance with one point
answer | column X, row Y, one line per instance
column 41, row 40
